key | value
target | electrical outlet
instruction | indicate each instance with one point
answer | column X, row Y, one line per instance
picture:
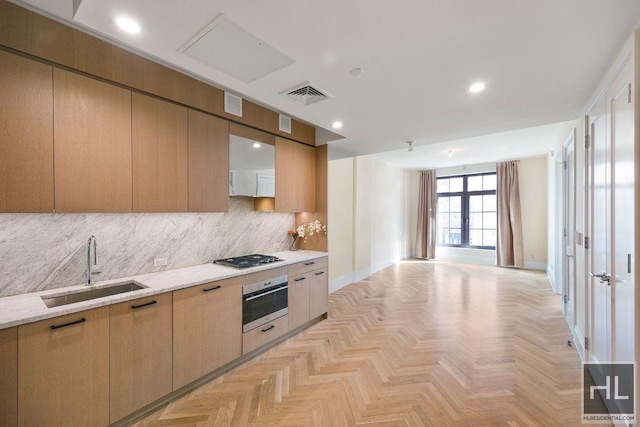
column 159, row 262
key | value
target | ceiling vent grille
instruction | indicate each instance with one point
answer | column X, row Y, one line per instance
column 306, row 94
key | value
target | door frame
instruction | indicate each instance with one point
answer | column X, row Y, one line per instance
column 568, row 238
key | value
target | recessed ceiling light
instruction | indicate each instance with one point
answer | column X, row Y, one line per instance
column 256, row 145
column 355, row 72
column 450, row 152
column 128, row 25
column 477, row 87
column 336, row 125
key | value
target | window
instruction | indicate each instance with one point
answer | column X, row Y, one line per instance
column 467, row 211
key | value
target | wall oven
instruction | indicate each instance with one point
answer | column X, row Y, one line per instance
column 264, row 301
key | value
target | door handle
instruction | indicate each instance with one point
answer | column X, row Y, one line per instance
column 604, row 277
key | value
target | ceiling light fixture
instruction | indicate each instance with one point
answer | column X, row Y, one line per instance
column 128, row 25
column 336, row 125
column 450, row 153
column 477, row 87
column 256, row 145
column 410, row 145
column 355, row 72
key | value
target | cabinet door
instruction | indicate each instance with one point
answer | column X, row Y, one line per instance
column 63, row 370
column 92, row 145
column 318, row 293
column 298, row 300
column 9, row 377
column 140, row 353
column 286, row 175
column 306, row 200
column 160, row 177
column 208, row 163
column 207, row 329
column 26, row 135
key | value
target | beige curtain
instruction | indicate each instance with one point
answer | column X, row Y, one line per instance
column 509, row 249
column 426, row 236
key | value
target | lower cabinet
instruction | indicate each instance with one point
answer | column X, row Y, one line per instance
column 319, row 293
column 264, row 334
column 63, row 370
column 140, row 353
column 299, row 300
column 308, row 291
column 9, row 377
column 207, row 329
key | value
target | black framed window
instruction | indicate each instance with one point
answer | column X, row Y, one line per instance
column 467, row 214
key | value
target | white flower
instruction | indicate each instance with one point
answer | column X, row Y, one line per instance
column 311, row 228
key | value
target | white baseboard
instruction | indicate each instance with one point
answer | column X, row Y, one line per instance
column 536, row 265
column 356, row 276
column 341, row 282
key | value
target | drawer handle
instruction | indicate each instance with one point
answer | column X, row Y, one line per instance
column 212, row 289
column 319, row 273
column 268, row 329
column 75, row 322
column 309, row 263
column 135, row 307
column 299, row 279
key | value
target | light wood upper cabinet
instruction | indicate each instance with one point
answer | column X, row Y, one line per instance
column 306, row 178
column 26, row 135
column 160, row 177
column 207, row 329
column 208, row 163
column 295, row 176
column 140, row 353
column 63, row 370
column 92, row 145
column 9, row 377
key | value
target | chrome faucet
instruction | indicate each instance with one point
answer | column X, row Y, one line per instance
column 91, row 242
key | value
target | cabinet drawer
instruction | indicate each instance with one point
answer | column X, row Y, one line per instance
column 310, row 265
column 264, row 334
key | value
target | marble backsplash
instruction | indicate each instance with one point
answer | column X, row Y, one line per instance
column 47, row 251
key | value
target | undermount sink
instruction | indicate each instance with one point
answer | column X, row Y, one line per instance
column 91, row 293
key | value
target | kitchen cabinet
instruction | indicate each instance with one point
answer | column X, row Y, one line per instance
column 295, row 176
column 319, row 293
column 308, row 291
column 208, row 163
column 26, row 135
column 92, row 145
column 140, row 358
column 9, row 377
column 207, row 329
column 299, row 300
column 63, row 370
column 160, row 155
column 264, row 334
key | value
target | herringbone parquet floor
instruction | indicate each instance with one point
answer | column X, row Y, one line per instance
column 417, row 344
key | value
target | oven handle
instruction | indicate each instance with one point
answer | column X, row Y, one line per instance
column 266, row 293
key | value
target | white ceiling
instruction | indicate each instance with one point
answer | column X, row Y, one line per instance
column 540, row 60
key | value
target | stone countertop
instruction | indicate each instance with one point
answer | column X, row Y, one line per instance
column 26, row 308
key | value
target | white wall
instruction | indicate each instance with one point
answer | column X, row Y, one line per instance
column 532, row 174
column 367, row 235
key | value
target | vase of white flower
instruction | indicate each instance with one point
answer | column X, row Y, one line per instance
column 305, row 231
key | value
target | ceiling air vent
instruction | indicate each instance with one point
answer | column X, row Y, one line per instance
column 306, row 94
column 285, row 124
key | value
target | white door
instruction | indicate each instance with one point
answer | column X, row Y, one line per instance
column 600, row 244
column 622, row 281
column 568, row 270
column 612, row 209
